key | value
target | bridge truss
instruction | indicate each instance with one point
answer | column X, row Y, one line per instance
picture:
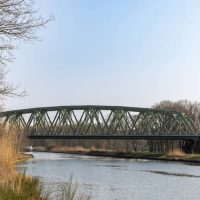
column 100, row 122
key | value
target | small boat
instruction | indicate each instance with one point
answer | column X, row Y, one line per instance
column 29, row 148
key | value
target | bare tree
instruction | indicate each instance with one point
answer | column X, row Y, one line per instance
column 19, row 21
column 186, row 106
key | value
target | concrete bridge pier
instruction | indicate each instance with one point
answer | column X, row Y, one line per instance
column 191, row 146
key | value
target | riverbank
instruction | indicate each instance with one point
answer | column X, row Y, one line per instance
column 176, row 156
column 193, row 158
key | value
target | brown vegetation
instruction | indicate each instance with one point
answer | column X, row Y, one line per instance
column 108, row 145
column 176, row 152
column 78, row 149
column 9, row 148
column 12, row 184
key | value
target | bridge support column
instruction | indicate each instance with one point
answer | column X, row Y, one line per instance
column 191, row 146
column 196, row 148
column 187, row 146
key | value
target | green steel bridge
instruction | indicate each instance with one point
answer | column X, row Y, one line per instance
column 100, row 122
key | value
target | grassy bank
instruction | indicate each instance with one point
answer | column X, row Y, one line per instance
column 175, row 155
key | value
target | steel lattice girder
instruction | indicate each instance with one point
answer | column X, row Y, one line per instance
column 103, row 122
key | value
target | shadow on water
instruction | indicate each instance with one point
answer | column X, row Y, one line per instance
column 171, row 174
column 165, row 173
column 110, row 166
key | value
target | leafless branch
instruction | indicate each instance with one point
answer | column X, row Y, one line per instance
column 19, row 21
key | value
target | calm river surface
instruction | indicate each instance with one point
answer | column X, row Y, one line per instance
column 118, row 179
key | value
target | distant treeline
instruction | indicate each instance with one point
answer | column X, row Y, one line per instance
column 186, row 106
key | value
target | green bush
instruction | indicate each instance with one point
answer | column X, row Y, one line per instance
column 23, row 188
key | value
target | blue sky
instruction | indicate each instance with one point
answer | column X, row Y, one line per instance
column 111, row 52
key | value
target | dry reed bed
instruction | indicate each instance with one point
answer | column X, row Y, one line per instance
column 79, row 149
column 15, row 186
column 9, row 153
column 176, row 152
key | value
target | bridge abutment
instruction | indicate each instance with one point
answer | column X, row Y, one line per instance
column 191, row 146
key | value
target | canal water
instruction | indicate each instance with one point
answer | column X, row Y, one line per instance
column 117, row 179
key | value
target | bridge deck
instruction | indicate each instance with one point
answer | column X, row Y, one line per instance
column 136, row 137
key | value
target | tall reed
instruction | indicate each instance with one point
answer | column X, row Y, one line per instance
column 9, row 153
column 70, row 191
column 15, row 186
